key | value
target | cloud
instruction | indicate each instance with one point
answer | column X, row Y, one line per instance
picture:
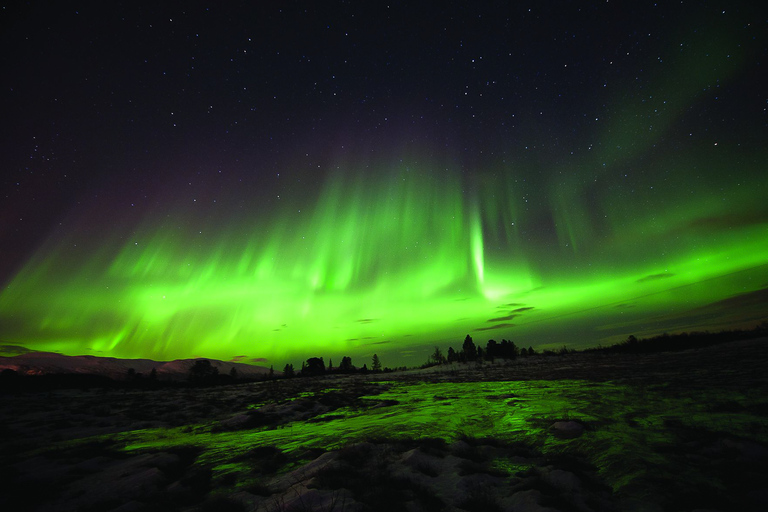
column 497, row 326
column 512, row 314
column 259, row 360
column 237, row 359
column 366, row 320
column 501, row 318
column 736, row 311
column 736, row 302
column 654, row 277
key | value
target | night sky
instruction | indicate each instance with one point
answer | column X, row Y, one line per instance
column 269, row 183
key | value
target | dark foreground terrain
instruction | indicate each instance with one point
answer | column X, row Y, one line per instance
column 579, row 432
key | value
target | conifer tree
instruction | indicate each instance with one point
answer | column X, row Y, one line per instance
column 469, row 349
column 346, row 365
column 437, row 356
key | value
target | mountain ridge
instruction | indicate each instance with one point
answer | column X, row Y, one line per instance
column 52, row 363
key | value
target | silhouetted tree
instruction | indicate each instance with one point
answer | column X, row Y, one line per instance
column 233, row 373
column 437, row 356
column 491, row 350
column 288, row 371
column 203, row 372
column 507, row 349
column 315, row 366
column 452, row 355
column 531, row 352
column 330, row 365
column 468, row 349
column 375, row 363
column 271, row 372
column 346, row 365
column 153, row 374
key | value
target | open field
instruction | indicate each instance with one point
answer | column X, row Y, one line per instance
column 664, row 431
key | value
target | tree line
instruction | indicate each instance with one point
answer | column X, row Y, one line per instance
column 502, row 350
column 316, row 366
column 682, row 341
column 203, row 373
column 470, row 352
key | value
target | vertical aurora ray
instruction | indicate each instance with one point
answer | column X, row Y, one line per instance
column 476, row 246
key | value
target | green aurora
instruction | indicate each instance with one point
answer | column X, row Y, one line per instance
column 402, row 243
column 400, row 259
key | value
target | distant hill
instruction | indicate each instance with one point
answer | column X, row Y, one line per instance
column 49, row 363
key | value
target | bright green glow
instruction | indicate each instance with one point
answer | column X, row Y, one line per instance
column 392, row 264
column 645, row 228
column 476, row 409
column 476, row 247
column 648, row 231
column 626, row 439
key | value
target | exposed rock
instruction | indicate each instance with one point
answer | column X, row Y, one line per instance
column 421, row 462
column 314, row 499
column 562, row 480
column 567, row 429
column 131, row 506
column 525, row 501
column 301, row 476
column 120, row 483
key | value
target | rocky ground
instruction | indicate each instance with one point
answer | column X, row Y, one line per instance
column 581, row 432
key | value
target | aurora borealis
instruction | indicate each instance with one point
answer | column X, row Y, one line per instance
column 273, row 184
